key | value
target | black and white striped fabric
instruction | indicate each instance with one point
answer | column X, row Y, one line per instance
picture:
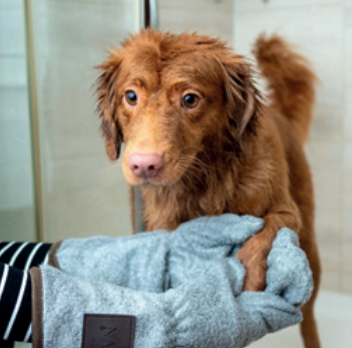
column 16, row 259
column 24, row 255
column 15, row 304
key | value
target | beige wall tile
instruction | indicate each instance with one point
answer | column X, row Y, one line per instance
column 348, row 71
column 324, row 156
column 347, row 157
column 325, row 160
column 347, row 210
column 346, row 246
column 205, row 16
column 330, row 280
column 346, row 283
column 260, row 5
column 327, row 195
column 306, row 28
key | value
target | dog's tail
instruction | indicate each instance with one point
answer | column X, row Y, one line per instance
column 291, row 81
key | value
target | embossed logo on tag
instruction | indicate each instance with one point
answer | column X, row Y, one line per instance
column 108, row 331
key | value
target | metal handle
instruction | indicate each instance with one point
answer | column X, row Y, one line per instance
column 153, row 7
column 149, row 10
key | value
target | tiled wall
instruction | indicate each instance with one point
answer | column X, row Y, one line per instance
column 321, row 30
column 16, row 184
column 204, row 16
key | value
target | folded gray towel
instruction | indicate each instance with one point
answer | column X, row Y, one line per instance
column 184, row 287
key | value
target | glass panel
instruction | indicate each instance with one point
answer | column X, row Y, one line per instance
column 83, row 194
column 212, row 17
column 17, row 211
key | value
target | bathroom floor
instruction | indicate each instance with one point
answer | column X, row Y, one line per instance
column 334, row 313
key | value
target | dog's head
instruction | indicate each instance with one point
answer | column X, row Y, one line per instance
column 171, row 97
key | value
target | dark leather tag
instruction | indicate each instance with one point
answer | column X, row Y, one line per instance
column 108, row 331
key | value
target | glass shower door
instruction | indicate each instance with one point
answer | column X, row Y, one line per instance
column 211, row 17
column 17, row 199
column 82, row 194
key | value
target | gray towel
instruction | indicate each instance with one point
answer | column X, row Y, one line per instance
column 184, row 287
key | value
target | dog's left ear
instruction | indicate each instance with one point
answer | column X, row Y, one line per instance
column 107, row 104
column 243, row 100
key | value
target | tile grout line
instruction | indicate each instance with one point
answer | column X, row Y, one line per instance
column 343, row 99
column 289, row 7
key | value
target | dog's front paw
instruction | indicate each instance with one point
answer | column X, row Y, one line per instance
column 255, row 278
column 253, row 257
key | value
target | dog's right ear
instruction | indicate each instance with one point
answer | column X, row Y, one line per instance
column 243, row 99
column 107, row 104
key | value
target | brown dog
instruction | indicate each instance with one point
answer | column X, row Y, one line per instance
column 200, row 141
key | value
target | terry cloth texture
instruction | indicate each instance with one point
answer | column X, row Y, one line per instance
column 184, row 287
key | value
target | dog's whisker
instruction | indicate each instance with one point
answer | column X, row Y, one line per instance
column 198, row 167
column 195, row 159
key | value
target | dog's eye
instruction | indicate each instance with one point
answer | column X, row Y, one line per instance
column 131, row 97
column 190, row 101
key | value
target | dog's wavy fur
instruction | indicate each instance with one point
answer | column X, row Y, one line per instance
column 232, row 153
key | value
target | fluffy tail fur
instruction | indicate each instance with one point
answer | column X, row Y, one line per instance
column 290, row 79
